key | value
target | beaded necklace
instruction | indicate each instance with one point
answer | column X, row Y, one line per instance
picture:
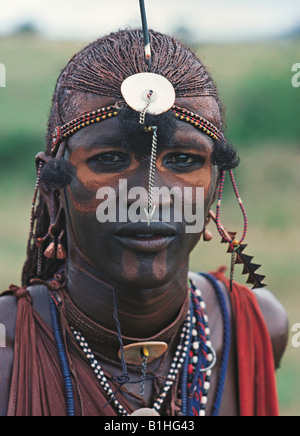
column 193, row 361
column 177, row 363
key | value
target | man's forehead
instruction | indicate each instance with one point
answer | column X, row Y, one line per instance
column 206, row 107
column 82, row 102
column 118, row 133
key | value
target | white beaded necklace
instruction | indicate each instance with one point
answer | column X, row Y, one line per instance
column 188, row 331
column 176, row 365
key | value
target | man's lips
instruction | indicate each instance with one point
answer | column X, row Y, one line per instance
column 143, row 230
column 143, row 238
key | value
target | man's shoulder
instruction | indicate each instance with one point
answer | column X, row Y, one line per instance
column 9, row 308
column 272, row 310
column 8, row 318
column 206, row 288
column 8, row 315
column 276, row 319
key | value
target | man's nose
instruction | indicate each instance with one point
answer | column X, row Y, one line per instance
column 140, row 179
column 137, row 202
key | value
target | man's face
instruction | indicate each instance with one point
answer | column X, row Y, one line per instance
column 129, row 253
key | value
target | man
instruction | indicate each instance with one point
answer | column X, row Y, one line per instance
column 106, row 323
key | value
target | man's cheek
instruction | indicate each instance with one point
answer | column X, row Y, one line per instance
column 193, row 209
column 187, row 244
column 81, row 198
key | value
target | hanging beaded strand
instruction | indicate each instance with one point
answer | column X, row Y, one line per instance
column 180, row 356
column 65, row 368
column 98, row 371
column 219, row 226
column 233, row 243
column 38, row 241
column 197, row 371
column 203, row 359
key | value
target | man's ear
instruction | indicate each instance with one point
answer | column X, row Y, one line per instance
column 51, row 195
column 216, row 180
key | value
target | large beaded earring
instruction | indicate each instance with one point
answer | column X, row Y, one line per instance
column 236, row 247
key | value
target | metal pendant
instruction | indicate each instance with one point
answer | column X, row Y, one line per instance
column 133, row 353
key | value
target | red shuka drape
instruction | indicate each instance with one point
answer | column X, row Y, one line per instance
column 256, row 366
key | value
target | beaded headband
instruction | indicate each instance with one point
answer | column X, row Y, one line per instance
column 64, row 132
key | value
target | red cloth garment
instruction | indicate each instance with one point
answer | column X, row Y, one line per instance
column 256, row 367
column 37, row 387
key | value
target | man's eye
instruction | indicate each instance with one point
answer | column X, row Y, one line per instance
column 107, row 162
column 107, row 158
column 181, row 159
column 184, row 162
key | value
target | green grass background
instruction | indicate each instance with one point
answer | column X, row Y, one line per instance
column 262, row 114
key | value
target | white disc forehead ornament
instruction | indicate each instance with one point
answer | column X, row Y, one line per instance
column 136, row 90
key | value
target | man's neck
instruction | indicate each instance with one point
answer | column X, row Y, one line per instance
column 142, row 313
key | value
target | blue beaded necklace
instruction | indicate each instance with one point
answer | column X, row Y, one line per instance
column 64, row 363
column 196, row 369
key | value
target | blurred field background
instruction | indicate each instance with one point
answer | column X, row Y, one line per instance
column 262, row 114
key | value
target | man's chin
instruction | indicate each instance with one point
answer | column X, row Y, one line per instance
column 145, row 278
